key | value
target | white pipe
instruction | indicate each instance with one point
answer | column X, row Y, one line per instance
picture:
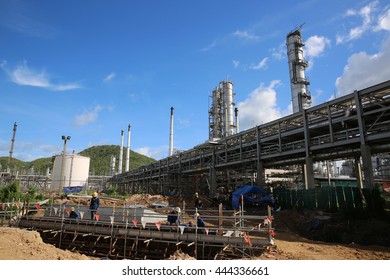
column 128, row 150
column 171, row 135
column 120, row 155
column 112, row 165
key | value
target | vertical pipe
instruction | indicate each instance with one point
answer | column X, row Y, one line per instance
column 120, row 154
column 112, row 165
column 127, row 166
column 171, row 134
column 12, row 147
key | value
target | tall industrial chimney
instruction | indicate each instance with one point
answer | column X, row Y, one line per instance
column 301, row 98
column 236, row 119
column 171, row 134
column 11, row 150
column 112, row 165
column 127, row 166
column 120, row 155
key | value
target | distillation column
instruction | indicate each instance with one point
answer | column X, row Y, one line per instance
column 221, row 113
column 215, row 116
column 301, row 98
column 227, row 89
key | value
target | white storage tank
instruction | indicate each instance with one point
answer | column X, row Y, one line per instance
column 74, row 174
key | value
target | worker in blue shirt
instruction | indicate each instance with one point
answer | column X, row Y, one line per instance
column 73, row 214
column 94, row 205
column 199, row 221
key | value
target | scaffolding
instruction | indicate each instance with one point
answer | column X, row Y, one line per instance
column 142, row 233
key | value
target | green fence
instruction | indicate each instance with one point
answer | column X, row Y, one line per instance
column 332, row 199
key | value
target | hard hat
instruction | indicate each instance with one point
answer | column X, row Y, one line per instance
column 196, row 194
column 177, row 209
column 197, row 215
column 95, row 194
column 72, row 208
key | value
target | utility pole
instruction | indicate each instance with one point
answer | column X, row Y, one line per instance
column 62, row 179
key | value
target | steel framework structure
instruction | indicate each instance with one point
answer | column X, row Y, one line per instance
column 356, row 126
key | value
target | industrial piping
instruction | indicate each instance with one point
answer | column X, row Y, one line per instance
column 128, row 149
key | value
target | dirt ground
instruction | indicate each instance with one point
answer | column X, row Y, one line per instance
column 292, row 233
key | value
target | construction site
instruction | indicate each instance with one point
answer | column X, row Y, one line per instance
column 278, row 159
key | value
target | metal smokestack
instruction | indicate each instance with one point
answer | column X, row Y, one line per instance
column 236, row 119
column 171, row 134
column 120, row 155
column 112, row 165
column 11, row 150
column 128, row 150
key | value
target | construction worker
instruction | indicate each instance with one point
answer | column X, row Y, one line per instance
column 199, row 221
column 198, row 201
column 73, row 214
column 174, row 216
column 94, row 205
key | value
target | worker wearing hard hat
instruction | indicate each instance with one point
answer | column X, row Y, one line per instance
column 94, row 205
column 73, row 214
column 198, row 201
column 199, row 221
column 174, row 216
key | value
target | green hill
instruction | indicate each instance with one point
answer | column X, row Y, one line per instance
column 99, row 165
column 101, row 158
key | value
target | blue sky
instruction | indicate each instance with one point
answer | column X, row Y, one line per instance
column 89, row 68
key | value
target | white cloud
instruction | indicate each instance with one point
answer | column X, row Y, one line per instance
column 88, row 116
column 280, row 52
column 261, row 65
column 236, row 63
column 25, row 76
column 109, row 77
column 156, row 153
column 245, row 35
column 209, row 47
column 260, row 107
column 315, row 45
column 29, row 151
column 384, row 21
column 364, row 70
column 357, row 32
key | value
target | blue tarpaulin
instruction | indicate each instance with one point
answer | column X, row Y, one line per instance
column 246, row 191
column 69, row 190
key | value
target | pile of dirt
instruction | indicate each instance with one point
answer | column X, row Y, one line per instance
column 20, row 244
column 136, row 199
column 179, row 255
